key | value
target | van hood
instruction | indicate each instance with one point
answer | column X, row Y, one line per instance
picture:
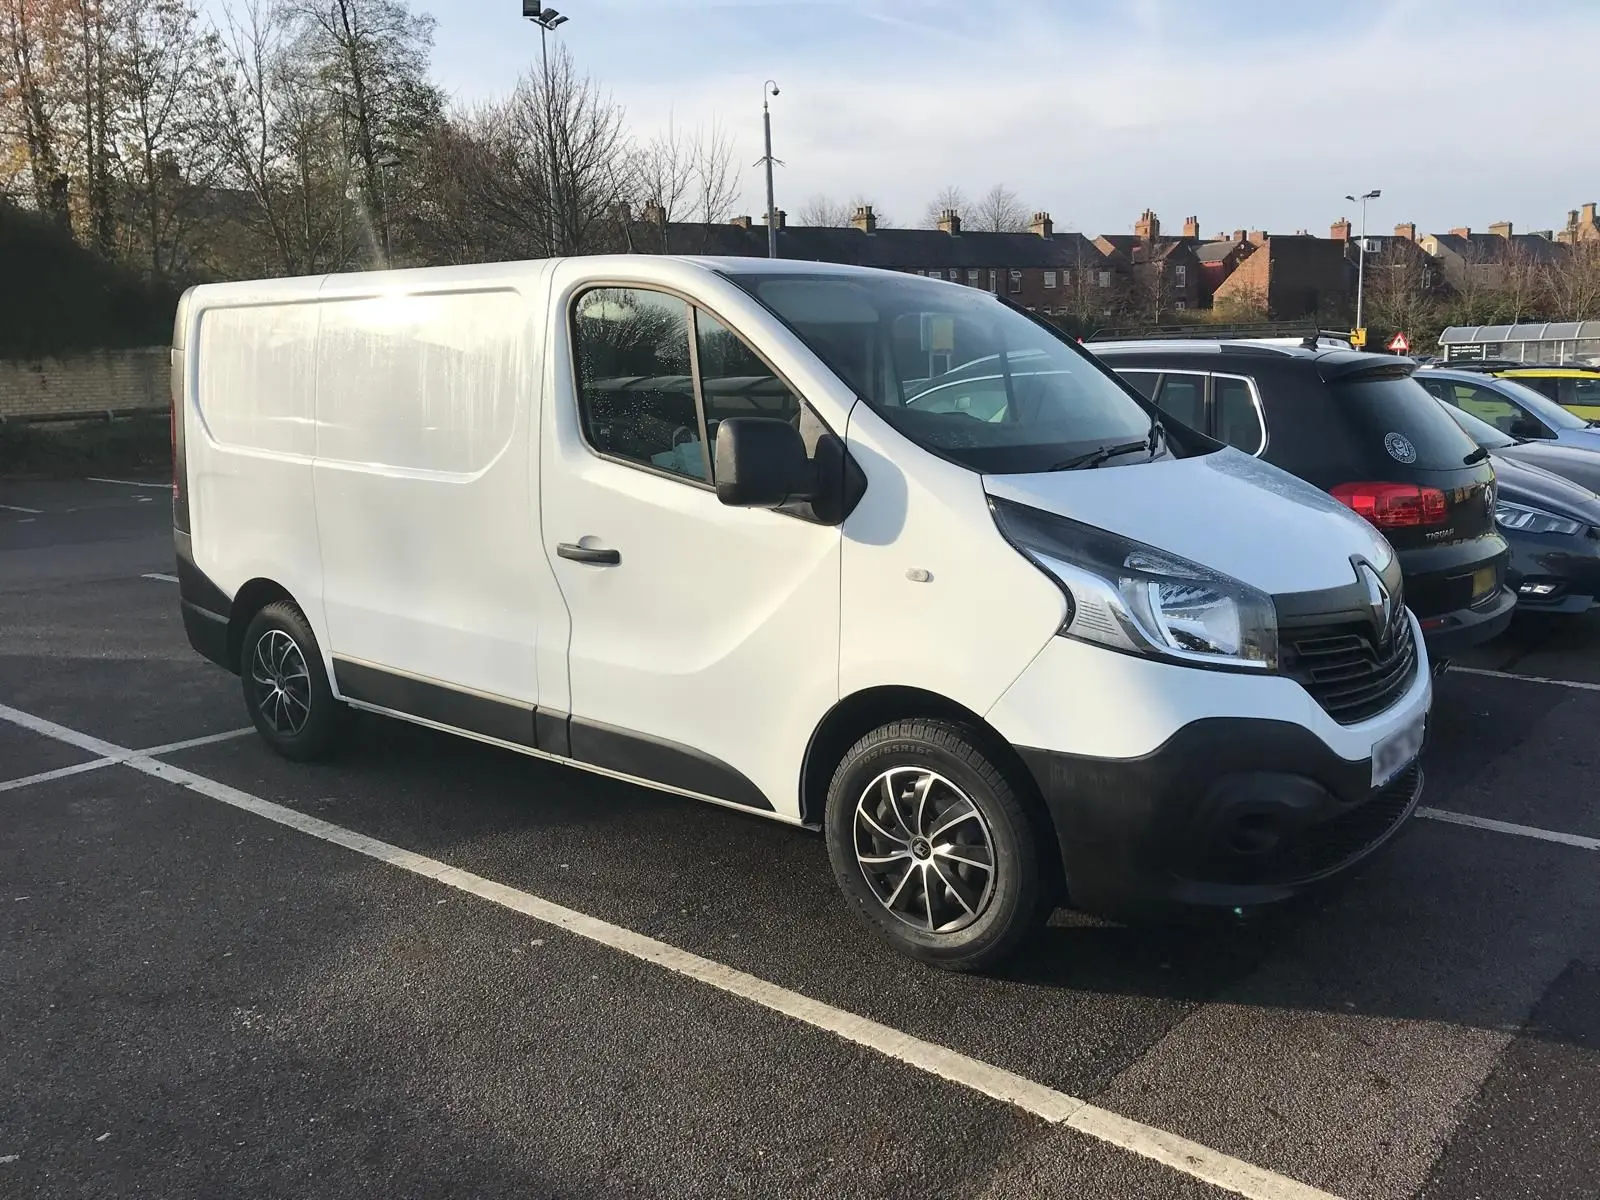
column 1225, row 510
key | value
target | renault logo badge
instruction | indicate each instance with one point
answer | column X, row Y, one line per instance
column 1379, row 602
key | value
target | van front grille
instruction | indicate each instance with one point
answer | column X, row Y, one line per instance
column 1347, row 671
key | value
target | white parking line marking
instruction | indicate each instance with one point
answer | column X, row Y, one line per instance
column 12, row 785
column 165, row 487
column 1576, row 685
column 1527, row 831
column 195, row 743
column 161, row 578
column 1189, row 1158
column 33, row 512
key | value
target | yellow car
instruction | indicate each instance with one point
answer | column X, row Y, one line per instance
column 1574, row 388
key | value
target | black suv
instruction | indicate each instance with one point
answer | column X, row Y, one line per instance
column 1356, row 425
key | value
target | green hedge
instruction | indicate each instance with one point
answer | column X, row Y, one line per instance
column 57, row 298
column 141, row 445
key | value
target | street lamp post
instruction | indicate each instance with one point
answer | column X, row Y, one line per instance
column 548, row 20
column 1361, row 256
column 769, row 89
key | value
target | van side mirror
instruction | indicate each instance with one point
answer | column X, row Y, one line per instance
column 761, row 463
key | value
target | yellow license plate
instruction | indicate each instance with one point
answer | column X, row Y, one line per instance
column 1484, row 583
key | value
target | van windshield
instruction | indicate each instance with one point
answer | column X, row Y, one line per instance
column 960, row 373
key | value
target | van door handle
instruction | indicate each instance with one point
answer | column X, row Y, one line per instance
column 583, row 554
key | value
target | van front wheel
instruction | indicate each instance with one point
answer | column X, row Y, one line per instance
column 286, row 687
column 934, row 846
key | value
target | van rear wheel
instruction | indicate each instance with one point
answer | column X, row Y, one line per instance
column 286, row 687
column 934, row 846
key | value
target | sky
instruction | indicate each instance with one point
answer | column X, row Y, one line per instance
column 1246, row 113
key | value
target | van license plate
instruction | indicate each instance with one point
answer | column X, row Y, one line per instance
column 1397, row 752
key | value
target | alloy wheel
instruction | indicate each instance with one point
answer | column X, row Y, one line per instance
column 924, row 849
column 282, row 681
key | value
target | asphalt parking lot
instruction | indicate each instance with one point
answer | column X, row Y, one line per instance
column 433, row 968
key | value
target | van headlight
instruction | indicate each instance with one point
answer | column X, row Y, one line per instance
column 1532, row 520
column 1140, row 600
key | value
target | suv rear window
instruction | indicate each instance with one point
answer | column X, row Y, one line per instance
column 1394, row 416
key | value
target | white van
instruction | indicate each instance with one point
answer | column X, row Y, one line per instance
column 854, row 550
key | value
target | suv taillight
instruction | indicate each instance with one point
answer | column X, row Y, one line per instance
column 1394, row 505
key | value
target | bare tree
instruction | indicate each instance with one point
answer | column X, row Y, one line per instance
column 689, row 176
column 823, row 210
column 1401, row 295
column 372, row 58
column 999, row 211
column 1086, row 295
column 948, row 199
column 1572, row 281
column 165, row 67
column 35, row 70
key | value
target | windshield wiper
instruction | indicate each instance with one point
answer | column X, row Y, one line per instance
column 1095, row 458
column 1477, row 456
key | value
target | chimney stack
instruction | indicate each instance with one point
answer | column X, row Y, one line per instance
column 1588, row 213
column 1042, row 225
column 742, row 222
column 780, row 220
column 1339, row 231
column 864, row 220
column 654, row 213
column 1258, row 237
column 1147, row 227
column 1501, row 229
column 1407, row 230
column 1239, row 235
column 950, row 222
column 1464, row 231
column 1191, row 227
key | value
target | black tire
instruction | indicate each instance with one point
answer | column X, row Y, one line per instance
column 990, row 916
column 286, row 686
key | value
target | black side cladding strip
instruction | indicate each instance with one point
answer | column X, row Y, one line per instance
column 669, row 763
column 503, row 720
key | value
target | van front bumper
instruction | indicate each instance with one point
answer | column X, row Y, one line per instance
column 1229, row 813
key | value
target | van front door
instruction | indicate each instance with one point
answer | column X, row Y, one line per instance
column 704, row 638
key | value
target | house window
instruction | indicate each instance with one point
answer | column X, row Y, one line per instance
column 1180, row 276
column 1049, row 279
column 1016, row 281
column 994, row 281
column 1105, row 279
column 955, row 275
column 1179, row 305
column 972, row 276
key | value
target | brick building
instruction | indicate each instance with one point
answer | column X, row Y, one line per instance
column 1581, row 227
column 1292, row 276
column 1471, row 260
column 1045, row 270
column 1218, row 260
column 1164, row 269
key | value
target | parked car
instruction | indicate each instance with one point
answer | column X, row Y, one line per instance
column 1551, row 523
column 1358, row 426
column 1509, row 402
column 1576, row 389
column 681, row 522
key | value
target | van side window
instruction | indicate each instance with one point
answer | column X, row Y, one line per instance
column 636, row 387
column 1238, row 421
column 734, row 381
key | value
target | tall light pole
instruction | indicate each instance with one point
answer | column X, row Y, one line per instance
column 548, row 20
column 1361, row 257
column 769, row 89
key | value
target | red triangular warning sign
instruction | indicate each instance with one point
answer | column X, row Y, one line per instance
column 1400, row 344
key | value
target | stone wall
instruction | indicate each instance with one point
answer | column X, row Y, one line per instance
column 90, row 384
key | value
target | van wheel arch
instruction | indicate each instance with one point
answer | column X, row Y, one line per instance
column 857, row 715
column 251, row 599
